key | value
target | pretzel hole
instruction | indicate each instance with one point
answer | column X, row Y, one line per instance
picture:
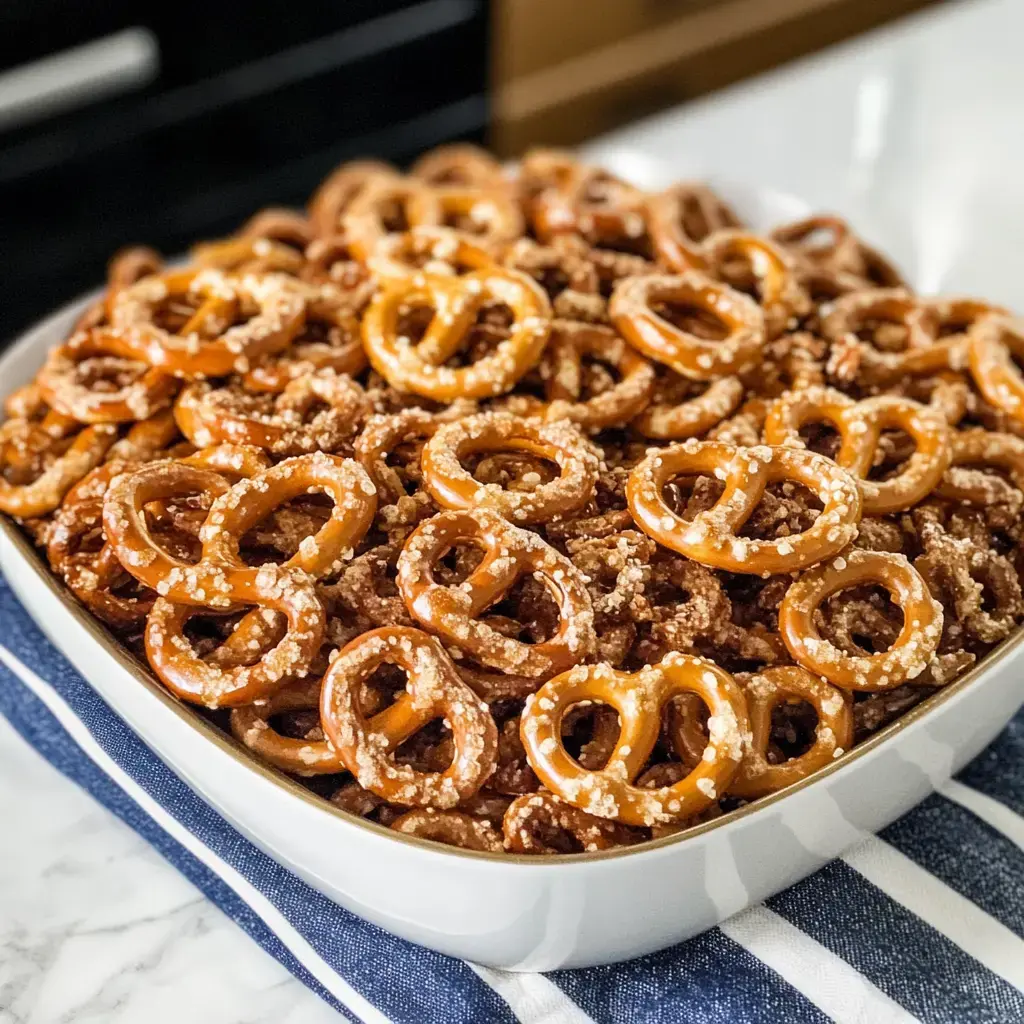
column 872, row 711
column 739, row 272
column 527, row 613
column 693, row 320
column 821, row 436
column 107, row 374
column 793, row 730
column 786, row 508
column 458, row 563
column 413, row 320
column 512, row 470
column 590, row 731
column 688, row 496
column 885, row 334
column 860, row 620
column 895, row 447
column 277, row 536
column 490, row 328
column 429, row 750
column 298, row 725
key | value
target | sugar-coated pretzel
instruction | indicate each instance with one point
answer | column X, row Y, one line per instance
column 453, row 828
column 973, row 451
column 665, row 419
column 712, row 537
column 428, row 249
column 833, row 734
column 281, row 424
column 913, row 648
column 338, row 190
column 421, row 368
column 680, row 218
column 698, row 358
column 490, row 215
column 206, row 345
column 381, row 207
column 433, row 690
column 860, row 426
column 132, row 391
column 534, row 822
column 638, row 698
column 454, row 487
column 380, row 436
column 509, row 552
column 459, row 163
column 303, row 757
column 249, row 254
column 993, row 343
column 563, row 375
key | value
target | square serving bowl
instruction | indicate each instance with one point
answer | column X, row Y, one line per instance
column 517, row 912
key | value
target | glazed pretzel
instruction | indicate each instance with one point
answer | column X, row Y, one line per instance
column 779, row 293
column 860, row 426
column 563, row 371
column 833, row 734
column 206, row 345
column 973, row 451
column 711, row 537
column 280, row 424
column 433, row 690
column 453, row 828
column 220, row 580
column 383, row 206
column 454, row 487
column 910, row 653
column 128, row 389
column 993, row 343
column 420, row 368
column 489, row 215
column 692, row 416
column 680, row 219
column 303, row 757
column 632, row 313
column 339, row 189
column 534, row 821
column 428, row 249
column 509, row 552
column 639, row 699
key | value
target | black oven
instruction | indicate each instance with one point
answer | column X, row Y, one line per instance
column 168, row 123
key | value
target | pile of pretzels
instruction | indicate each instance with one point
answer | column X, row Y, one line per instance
column 526, row 511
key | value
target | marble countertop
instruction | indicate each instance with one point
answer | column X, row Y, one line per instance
column 913, row 132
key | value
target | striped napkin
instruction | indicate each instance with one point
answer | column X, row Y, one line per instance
column 924, row 922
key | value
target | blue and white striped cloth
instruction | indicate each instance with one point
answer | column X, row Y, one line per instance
column 924, row 922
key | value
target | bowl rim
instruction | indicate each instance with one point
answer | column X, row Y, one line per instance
column 38, row 336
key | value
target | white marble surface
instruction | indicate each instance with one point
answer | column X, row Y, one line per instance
column 914, row 132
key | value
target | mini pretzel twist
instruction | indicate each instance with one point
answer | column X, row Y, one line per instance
column 712, row 537
column 421, row 368
column 428, row 249
column 910, row 653
column 563, row 371
column 833, row 734
column 453, row 828
column 632, row 312
column 535, row 822
column 509, row 552
column 490, row 215
column 860, row 426
column 973, row 452
column 340, row 189
column 681, row 218
column 454, row 487
column 206, row 344
column 679, row 408
column 993, row 343
column 433, row 690
column 638, row 698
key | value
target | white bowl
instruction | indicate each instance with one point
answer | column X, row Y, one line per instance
column 527, row 913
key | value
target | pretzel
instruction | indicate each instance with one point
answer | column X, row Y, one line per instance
column 66, row 453
column 303, row 757
column 711, row 537
column 428, row 249
column 564, row 374
column 674, row 415
column 86, row 378
column 279, row 424
column 974, row 450
column 454, row 487
column 380, row 436
column 453, row 828
column 772, row 269
column 490, row 215
column 459, row 163
column 992, row 345
column 338, row 191
column 252, row 254
column 909, row 655
column 680, row 219
column 833, row 734
column 146, row 439
column 421, row 368
column 206, row 344
column 638, row 698
column 433, row 690
column 382, row 207
column 686, row 353
column 860, row 426
column 509, row 552
column 536, row 822
column 220, row 580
